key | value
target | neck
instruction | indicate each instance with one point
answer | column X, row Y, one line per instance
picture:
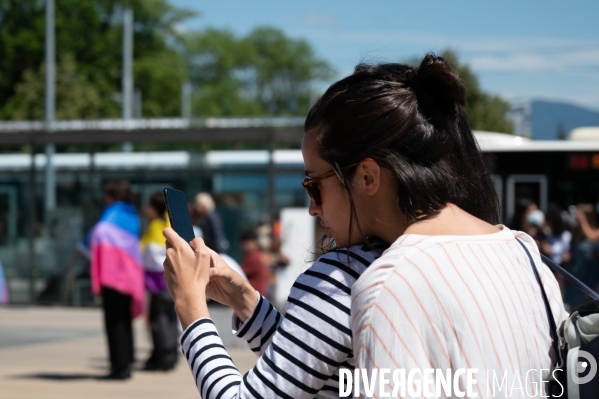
column 390, row 230
column 452, row 220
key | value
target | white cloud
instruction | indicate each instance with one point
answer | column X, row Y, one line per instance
column 535, row 62
column 485, row 53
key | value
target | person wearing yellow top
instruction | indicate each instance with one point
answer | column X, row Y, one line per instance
column 163, row 319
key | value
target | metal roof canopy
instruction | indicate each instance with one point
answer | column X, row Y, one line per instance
column 288, row 130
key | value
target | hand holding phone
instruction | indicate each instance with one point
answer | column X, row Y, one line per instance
column 226, row 286
column 178, row 213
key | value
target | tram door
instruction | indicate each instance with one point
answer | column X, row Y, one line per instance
column 530, row 187
column 8, row 215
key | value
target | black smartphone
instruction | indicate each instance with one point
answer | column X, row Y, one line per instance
column 178, row 213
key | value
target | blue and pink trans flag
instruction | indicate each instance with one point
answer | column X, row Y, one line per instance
column 3, row 286
column 115, row 254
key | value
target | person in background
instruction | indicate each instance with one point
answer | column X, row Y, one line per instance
column 585, row 253
column 210, row 223
column 3, row 287
column 253, row 264
column 163, row 319
column 117, row 274
column 198, row 233
column 590, row 233
column 274, row 258
column 264, row 233
column 529, row 219
column 557, row 241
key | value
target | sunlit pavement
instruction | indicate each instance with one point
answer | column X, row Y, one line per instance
column 55, row 352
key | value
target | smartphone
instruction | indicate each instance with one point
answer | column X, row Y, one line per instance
column 178, row 213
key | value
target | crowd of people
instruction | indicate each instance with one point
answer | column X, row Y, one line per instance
column 127, row 268
column 568, row 237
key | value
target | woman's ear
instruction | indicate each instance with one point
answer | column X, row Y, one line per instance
column 369, row 174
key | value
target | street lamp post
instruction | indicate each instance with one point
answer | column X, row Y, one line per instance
column 50, row 108
column 127, row 79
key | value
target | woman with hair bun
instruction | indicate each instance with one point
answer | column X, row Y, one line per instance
column 389, row 158
column 454, row 290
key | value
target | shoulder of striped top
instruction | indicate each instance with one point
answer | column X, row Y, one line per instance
column 332, row 274
column 356, row 258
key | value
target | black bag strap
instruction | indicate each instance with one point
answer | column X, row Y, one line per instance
column 569, row 277
column 552, row 325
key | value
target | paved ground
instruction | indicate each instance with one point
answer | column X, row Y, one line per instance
column 58, row 353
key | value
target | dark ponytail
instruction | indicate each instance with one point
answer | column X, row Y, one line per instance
column 410, row 120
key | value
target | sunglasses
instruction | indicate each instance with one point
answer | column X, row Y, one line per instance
column 311, row 186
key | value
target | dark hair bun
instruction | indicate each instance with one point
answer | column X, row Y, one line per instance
column 439, row 90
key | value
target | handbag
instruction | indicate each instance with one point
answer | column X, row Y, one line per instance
column 574, row 343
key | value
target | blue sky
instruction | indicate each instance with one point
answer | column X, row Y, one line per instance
column 519, row 49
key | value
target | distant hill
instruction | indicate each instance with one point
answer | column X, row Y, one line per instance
column 546, row 116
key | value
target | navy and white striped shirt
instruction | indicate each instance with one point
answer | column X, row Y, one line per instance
column 300, row 353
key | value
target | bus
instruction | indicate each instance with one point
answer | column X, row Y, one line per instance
column 37, row 248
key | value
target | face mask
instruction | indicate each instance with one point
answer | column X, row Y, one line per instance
column 536, row 218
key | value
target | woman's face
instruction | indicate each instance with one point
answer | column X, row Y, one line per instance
column 334, row 211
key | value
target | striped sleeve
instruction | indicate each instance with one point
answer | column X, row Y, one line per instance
column 260, row 327
column 299, row 354
column 213, row 370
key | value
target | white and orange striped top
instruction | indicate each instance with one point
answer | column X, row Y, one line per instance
column 451, row 302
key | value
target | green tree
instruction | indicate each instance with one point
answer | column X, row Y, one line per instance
column 282, row 71
column 216, row 61
column 91, row 32
column 76, row 96
column 484, row 111
column 263, row 73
